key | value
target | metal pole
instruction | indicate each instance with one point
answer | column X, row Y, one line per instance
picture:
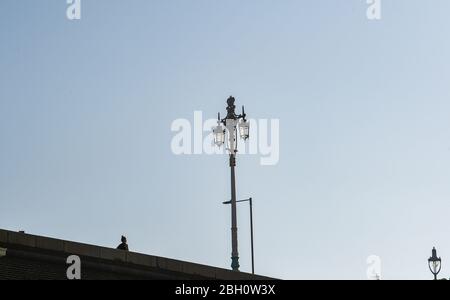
column 234, row 238
column 250, row 200
column 251, row 226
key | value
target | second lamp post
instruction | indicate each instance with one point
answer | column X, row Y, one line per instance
column 232, row 122
column 435, row 263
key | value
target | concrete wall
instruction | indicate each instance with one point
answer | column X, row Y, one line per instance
column 111, row 259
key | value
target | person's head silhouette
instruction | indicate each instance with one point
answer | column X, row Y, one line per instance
column 124, row 245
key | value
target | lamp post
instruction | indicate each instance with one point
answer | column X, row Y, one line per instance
column 232, row 122
column 434, row 263
column 250, row 200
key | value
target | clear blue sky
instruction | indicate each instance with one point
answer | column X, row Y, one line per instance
column 86, row 109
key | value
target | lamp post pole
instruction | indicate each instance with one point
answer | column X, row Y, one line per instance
column 234, row 237
column 232, row 121
column 251, row 234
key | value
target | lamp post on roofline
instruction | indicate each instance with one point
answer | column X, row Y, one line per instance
column 232, row 123
column 435, row 263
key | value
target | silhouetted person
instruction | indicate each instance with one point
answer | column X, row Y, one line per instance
column 124, row 245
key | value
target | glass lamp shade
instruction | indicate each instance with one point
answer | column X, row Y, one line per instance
column 219, row 135
column 244, row 129
column 435, row 266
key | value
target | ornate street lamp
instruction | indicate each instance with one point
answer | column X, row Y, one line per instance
column 219, row 133
column 232, row 122
column 434, row 263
